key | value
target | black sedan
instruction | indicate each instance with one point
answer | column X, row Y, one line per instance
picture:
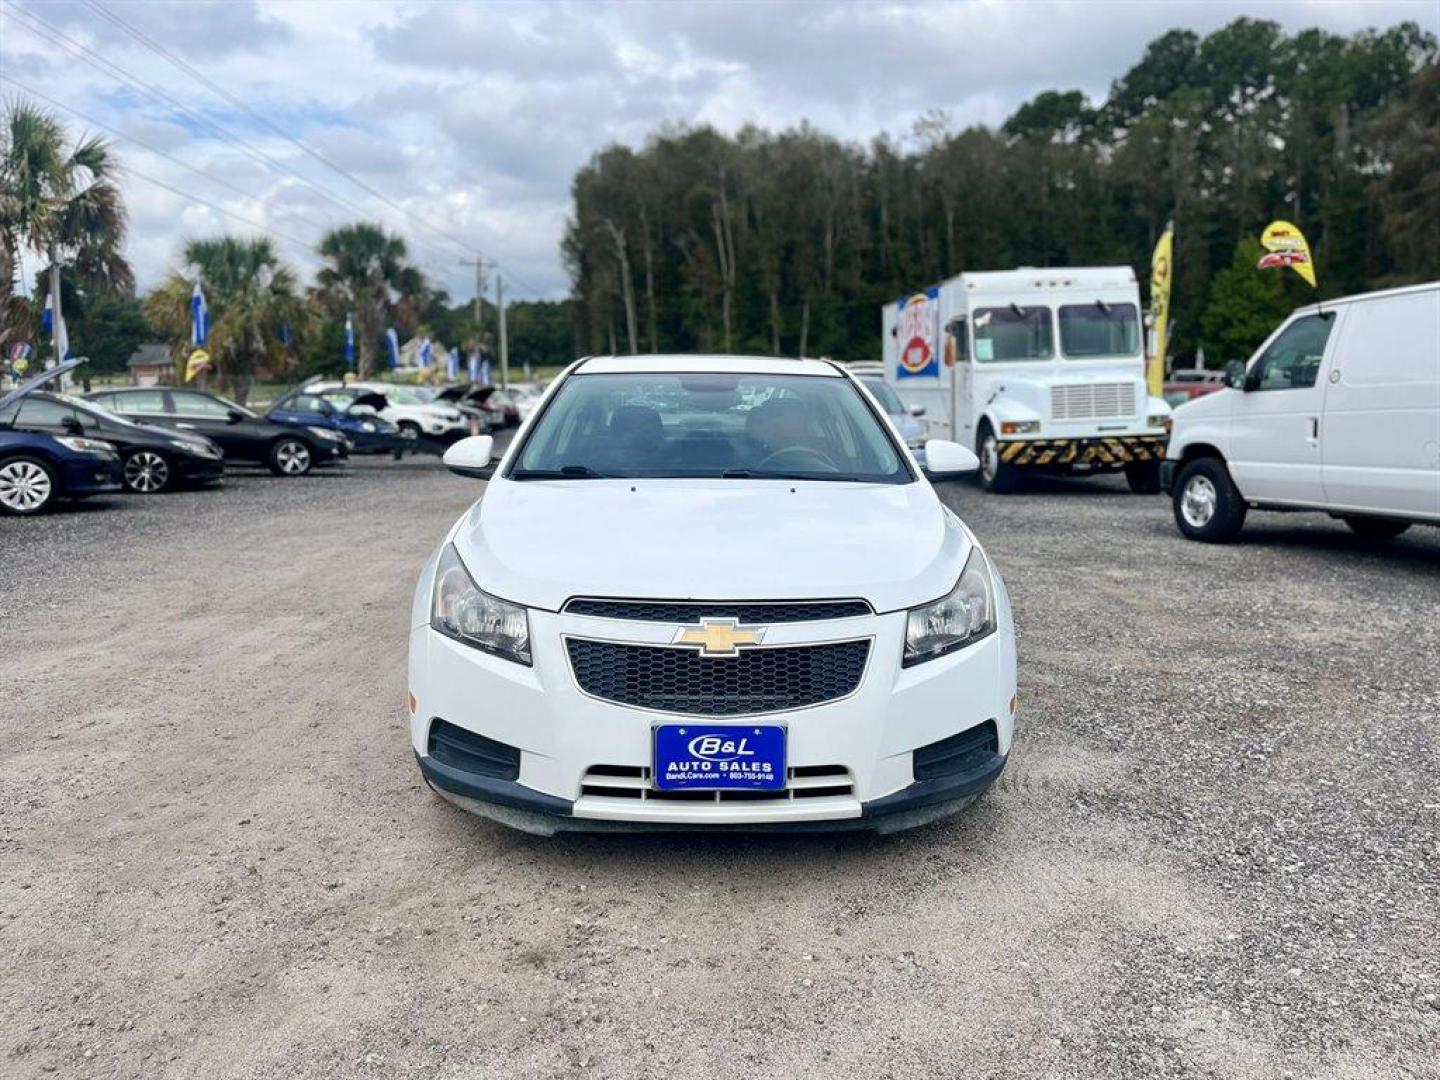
column 153, row 459
column 243, row 435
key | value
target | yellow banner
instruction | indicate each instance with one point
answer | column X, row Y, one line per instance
column 1285, row 245
column 199, row 361
column 1161, row 271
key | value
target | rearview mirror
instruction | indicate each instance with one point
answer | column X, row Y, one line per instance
column 1235, row 374
column 916, row 410
column 471, row 457
column 944, row 459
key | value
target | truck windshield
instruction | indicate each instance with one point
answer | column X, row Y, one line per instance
column 712, row 425
column 1013, row 333
column 1099, row 329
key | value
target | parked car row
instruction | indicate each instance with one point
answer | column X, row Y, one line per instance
column 154, row 438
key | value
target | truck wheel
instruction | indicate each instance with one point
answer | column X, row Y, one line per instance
column 1375, row 528
column 1208, row 507
column 1143, row 477
column 995, row 475
column 27, row 485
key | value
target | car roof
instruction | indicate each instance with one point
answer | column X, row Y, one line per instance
column 670, row 363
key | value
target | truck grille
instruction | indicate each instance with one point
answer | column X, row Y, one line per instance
column 1092, row 401
column 688, row 611
column 679, row 680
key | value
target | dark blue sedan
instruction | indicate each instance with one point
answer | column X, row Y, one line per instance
column 37, row 468
column 352, row 413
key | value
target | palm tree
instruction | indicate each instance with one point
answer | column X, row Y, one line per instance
column 250, row 295
column 366, row 277
column 61, row 204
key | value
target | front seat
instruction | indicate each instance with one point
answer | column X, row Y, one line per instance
column 636, row 434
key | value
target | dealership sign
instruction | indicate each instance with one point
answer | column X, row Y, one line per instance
column 917, row 333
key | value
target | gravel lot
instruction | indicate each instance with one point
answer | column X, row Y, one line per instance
column 1215, row 852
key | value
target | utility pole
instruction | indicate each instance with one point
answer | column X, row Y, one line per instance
column 479, row 264
column 504, row 338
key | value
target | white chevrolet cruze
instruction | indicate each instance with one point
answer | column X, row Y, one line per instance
column 710, row 592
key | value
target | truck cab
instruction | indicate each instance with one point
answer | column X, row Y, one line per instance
column 1037, row 370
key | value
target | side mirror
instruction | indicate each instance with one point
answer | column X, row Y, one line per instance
column 471, row 457
column 234, row 416
column 71, row 425
column 915, row 410
column 944, row 459
column 1235, row 375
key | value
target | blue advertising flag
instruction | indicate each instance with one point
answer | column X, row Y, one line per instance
column 426, row 353
column 199, row 318
column 485, row 371
column 393, row 341
column 47, row 320
column 472, row 368
column 453, row 367
column 349, row 342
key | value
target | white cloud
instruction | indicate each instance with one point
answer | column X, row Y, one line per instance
column 475, row 116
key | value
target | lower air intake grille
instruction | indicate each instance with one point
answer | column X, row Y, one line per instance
column 958, row 754
column 688, row 611
column 634, row 782
column 678, row 680
column 464, row 750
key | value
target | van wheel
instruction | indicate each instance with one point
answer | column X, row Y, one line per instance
column 1143, row 477
column 27, row 486
column 995, row 475
column 1375, row 528
column 1208, row 507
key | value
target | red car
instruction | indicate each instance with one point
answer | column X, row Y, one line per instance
column 1187, row 384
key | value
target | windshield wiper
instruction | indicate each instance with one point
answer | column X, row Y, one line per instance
column 565, row 472
column 776, row 474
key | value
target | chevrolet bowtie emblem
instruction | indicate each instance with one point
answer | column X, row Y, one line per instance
column 719, row 637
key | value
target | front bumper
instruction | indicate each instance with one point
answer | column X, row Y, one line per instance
column 92, row 475
column 565, row 739
column 1100, row 452
column 192, row 469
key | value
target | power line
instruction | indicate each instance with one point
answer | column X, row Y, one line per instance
column 157, row 151
column 200, row 77
column 309, row 247
column 57, row 37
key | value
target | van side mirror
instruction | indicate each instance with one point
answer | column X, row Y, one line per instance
column 471, row 457
column 1235, row 375
column 945, row 459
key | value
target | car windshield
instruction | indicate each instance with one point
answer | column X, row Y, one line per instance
column 1099, row 329
column 710, row 424
column 885, row 396
column 1013, row 334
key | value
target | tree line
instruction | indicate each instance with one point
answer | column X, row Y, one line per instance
column 788, row 242
column 60, row 205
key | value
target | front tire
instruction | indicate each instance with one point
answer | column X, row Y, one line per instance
column 996, row 476
column 147, row 472
column 1375, row 528
column 1143, row 477
column 291, row 457
column 1208, row 506
column 27, row 486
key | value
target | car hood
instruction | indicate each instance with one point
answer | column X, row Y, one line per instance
column 540, row 542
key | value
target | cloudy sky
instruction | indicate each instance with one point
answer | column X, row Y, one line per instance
column 459, row 125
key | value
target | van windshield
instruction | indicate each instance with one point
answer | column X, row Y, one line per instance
column 1099, row 329
column 1013, row 334
column 712, row 425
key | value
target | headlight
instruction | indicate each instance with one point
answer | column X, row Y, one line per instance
column 367, row 426
column 916, row 443
column 1160, row 420
column 325, row 433
column 1019, row 427
column 86, row 446
column 963, row 617
column 460, row 609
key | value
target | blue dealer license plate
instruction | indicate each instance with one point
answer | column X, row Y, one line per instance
column 719, row 756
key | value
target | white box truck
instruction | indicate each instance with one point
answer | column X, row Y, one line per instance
column 1037, row 370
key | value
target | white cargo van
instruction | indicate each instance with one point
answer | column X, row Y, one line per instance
column 1037, row 370
column 1338, row 411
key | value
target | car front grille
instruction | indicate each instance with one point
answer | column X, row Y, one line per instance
column 688, row 611
column 634, row 782
column 1092, row 401
column 680, row 680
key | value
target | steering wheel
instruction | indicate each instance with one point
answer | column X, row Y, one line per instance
column 804, row 453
